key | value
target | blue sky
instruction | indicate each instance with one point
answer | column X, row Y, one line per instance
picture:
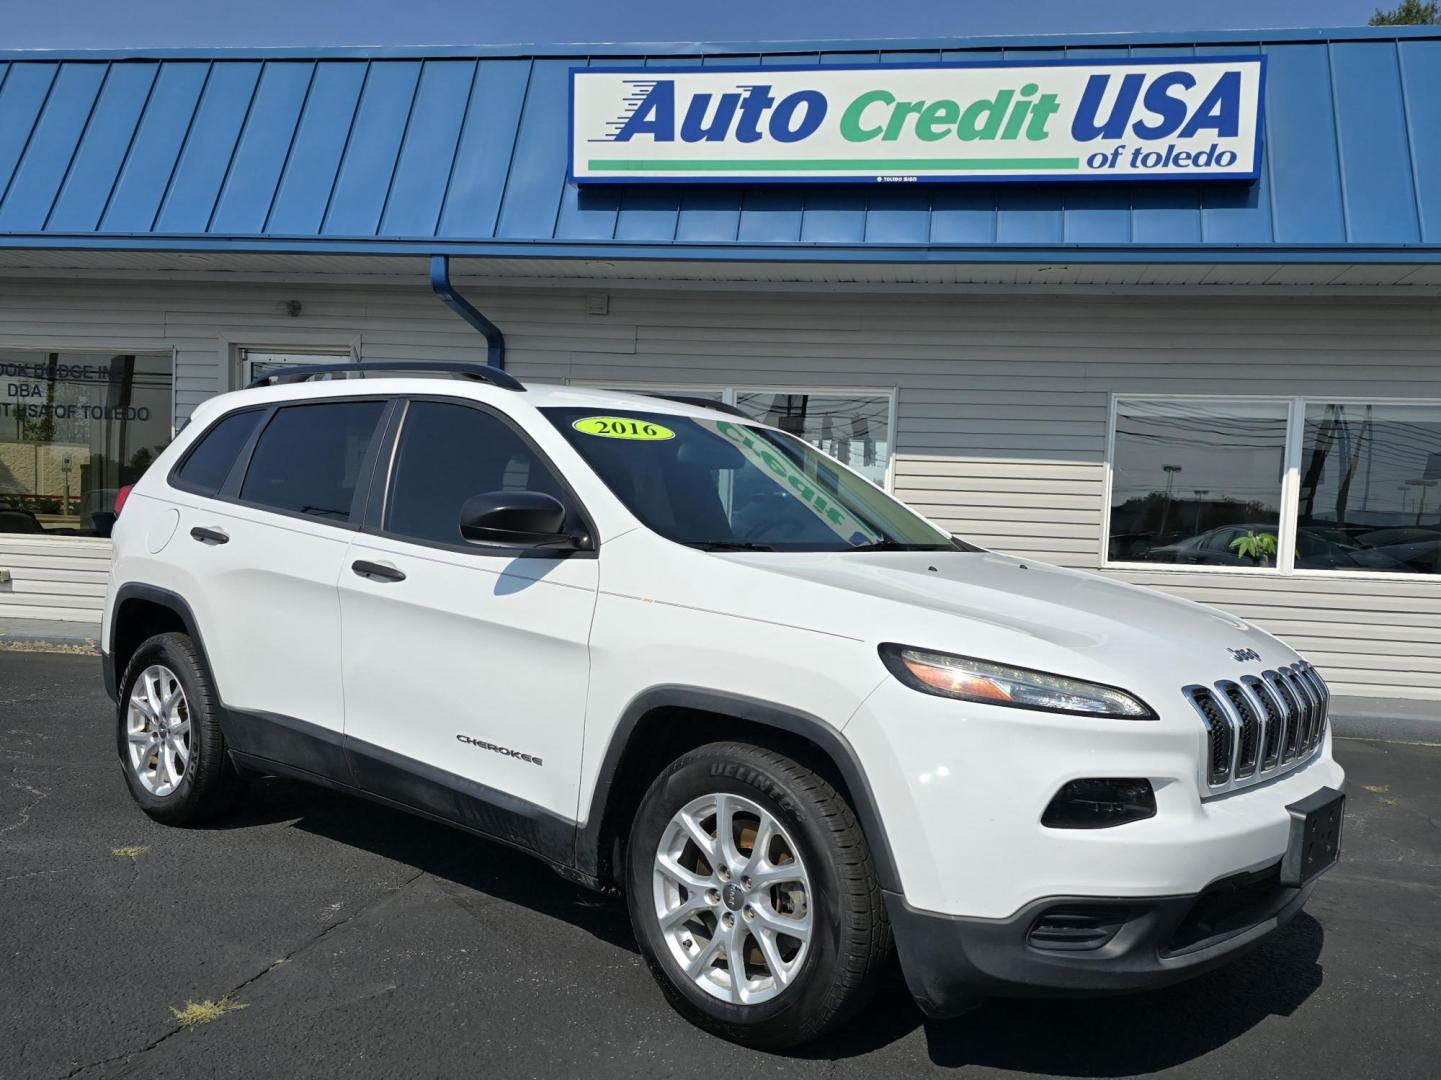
column 118, row 24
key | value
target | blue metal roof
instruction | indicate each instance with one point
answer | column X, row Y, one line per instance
column 464, row 151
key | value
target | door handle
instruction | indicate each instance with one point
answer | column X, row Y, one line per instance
column 377, row 571
column 209, row 536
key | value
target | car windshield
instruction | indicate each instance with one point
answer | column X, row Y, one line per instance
column 727, row 485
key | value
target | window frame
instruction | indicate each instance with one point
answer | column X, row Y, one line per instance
column 382, row 481
column 229, row 492
column 175, row 480
column 1290, row 488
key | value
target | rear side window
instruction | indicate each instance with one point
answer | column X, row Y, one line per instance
column 448, row 453
column 308, row 458
column 209, row 461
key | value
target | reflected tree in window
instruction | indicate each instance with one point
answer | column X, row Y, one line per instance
column 1197, row 482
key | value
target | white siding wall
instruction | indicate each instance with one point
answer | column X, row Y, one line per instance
column 1002, row 402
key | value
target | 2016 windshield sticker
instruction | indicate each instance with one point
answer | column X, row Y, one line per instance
column 621, row 427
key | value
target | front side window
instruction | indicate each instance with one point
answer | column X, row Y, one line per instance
column 307, row 460
column 1370, row 490
column 74, row 429
column 1197, row 482
column 448, row 453
column 720, row 484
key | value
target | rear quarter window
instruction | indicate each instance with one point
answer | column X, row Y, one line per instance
column 210, row 460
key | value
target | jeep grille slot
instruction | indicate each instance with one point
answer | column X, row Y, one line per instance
column 1274, row 722
column 1219, row 737
column 1250, row 727
column 1295, row 714
column 1323, row 696
column 1260, row 726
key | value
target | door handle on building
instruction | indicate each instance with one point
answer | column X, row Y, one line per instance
column 377, row 571
column 209, row 536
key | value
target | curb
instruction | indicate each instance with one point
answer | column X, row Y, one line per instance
column 1389, row 719
column 51, row 637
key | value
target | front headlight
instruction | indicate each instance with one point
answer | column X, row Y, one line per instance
column 1000, row 684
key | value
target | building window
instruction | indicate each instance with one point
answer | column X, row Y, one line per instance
column 1190, row 479
column 74, row 429
column 1370, row 488
column 1276, row 485
column 852, row 426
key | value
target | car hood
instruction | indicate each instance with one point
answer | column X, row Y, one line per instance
column 1018, row 611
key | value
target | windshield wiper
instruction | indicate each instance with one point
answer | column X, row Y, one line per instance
column 897, row 545
column 726, row 545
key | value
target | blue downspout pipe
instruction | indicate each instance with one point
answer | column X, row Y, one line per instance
column 440, row 283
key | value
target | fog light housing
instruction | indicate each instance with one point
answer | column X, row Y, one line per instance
column 1100, row 804
column 1078, row 929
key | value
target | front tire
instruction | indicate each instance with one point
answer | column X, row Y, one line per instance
column 168, row 734
column 752, row 895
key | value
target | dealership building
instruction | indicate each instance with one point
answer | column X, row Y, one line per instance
column 1164, row 308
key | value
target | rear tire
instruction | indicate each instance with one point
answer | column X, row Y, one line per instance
column 791, row 900
column 168, row 734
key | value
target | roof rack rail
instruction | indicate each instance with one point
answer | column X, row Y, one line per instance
column 700, row 403
column 479, row 372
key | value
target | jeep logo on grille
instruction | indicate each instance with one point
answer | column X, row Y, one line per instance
column 1244, row 654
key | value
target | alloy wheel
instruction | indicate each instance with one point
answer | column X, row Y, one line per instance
column 157, row 730
column 733, row 899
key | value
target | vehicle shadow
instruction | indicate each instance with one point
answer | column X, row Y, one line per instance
column 1110, row 1036
column 484, row 866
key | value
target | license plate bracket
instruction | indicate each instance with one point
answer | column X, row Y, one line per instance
column 1315, row 842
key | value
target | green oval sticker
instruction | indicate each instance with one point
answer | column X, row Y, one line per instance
column 620, row 427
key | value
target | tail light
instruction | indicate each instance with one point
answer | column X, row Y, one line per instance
column 120, row 497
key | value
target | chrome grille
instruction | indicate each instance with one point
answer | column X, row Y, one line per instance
column 1257, row 727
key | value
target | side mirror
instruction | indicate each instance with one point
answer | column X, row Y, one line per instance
column 515, row 519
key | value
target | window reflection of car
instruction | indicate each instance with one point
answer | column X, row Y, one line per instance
column 1418, row 549
column 1315, row 550
column 16, row 519
column 1210, row 548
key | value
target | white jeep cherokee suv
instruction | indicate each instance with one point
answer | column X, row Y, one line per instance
column 683, row 655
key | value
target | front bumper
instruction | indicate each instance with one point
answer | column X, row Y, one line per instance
column 1133, row 943
column 962, row 790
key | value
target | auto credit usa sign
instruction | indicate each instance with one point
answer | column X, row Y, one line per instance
column 1153, row 119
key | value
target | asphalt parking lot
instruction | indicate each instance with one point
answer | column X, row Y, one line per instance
column 359, row 942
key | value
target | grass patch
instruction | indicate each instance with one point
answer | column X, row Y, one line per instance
column 17, row 645
column 129, row 852
column 196, row 1013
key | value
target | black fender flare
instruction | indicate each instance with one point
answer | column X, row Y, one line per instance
column 164, row 598
column 825, row 737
